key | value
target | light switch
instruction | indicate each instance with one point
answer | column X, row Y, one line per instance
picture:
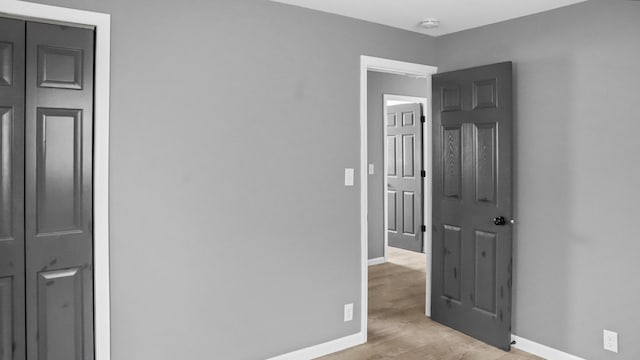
column 370, row 169
column 348, row 177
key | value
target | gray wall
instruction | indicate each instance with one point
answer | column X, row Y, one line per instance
column 379, row 84
column 232, row 122
column 233, row 236
column 577, row 246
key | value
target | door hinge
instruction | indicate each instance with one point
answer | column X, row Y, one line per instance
column 423, row 118
column 423, row 173
column 423, row 228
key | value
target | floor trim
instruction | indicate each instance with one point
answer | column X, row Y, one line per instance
column 543, row 351
column 327, row 348
column 377, row 261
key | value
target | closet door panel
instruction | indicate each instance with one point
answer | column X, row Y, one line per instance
column 59, row 152
column 12, row 281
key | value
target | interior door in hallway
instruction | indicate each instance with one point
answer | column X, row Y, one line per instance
column 58, row 192
column 472, row 201
column 404, row 176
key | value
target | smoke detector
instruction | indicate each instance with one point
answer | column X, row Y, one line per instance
column 430, row 23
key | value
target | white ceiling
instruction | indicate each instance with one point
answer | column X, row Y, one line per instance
column 454, row 15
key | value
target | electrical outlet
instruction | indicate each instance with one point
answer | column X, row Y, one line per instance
column 348, row 312
column 370, row 169
column 610, row 340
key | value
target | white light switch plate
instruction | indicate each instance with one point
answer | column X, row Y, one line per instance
column 348, row 312
column 610, row 340
column 348, row 177
column 370, row 169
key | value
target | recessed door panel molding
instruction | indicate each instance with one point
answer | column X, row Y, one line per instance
column 485, row 94
column 60, row 312
column 452, row 164
column 485, row 271
column 408, row 118
column 6, row 173
column 6, row 63
column 6, row 318
column 472, row 206
column 408, row 213
column 404, row 161
column 12, row 211
column 60, row 67
column 391, row 120
column 485, row 158
column 408, row 158
column 450, row 99
column 391, row 156
column 392, row 212
column 59, row 170
column 452, row 271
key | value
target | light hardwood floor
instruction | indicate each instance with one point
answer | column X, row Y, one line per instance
column 398, row 328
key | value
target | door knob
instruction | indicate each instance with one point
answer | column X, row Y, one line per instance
column 500, row 221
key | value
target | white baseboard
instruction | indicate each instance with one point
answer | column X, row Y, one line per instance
column 327, row 348
column 541, row 350
column 376, row 261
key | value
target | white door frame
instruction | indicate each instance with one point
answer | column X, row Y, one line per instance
column 368, row 63
column 102, row 25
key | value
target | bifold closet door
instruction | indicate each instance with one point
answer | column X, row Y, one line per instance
column 58, row 201
column 12, row 302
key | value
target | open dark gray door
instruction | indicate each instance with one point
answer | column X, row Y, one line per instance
column 59, row 188
column 12, row 321
column 404, row 179
column 472, row 202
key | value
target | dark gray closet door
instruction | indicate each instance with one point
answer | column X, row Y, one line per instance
column 59, row 234
column 404, row 179
column 12, row 320
column 472, row 202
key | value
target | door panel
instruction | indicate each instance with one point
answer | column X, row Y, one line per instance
column 404, row 167
column 59, row 175
column 60, row 308
column 408, row 151
column 12, row 319
column 6, row 318
column 391, row 155
column 485, row 262
column 452, row 286
column 392, row 213
column 59, row 245
column 472, row 160
column 452, row 163
column 485, row 150
column 408, row 213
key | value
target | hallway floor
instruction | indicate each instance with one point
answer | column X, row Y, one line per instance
column 398, row 328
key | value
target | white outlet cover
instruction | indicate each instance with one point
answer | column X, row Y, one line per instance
column 348, row 312
column 610, row 340
column 348, row 177
column 370, row 169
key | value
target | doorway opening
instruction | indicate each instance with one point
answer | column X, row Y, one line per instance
column 423, row 72
column 390, row 101
column 392, row 110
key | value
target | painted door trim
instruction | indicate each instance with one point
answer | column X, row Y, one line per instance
column 426, row 186
column 102, row 24
column 370, row 63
